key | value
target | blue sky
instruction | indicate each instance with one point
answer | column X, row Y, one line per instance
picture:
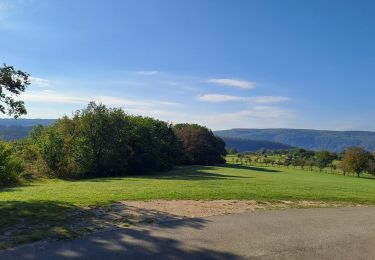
column 224, row 64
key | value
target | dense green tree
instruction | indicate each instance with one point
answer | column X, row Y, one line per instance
column 155, row 145
column 36, row 132
column 323, row 159
column 10, row 166
column 356, row 160
column 57, row 153
column 12, row 83
column 200, row 145
column 100, row 141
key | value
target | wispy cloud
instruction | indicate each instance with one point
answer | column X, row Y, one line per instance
column 233, row 83
column 53, row 97
column 268, row 99
column 256, row 117
column 42, row 83
column 148, row 72
column 259, row 116
column 218, row 98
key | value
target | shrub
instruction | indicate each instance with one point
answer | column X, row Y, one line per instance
column 10, row 166
column 27, row 152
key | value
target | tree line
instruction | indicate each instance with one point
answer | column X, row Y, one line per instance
column 99, row 141
column 353, row 160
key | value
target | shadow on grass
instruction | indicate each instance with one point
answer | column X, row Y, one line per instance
column 193, row 173
column 24, row 222
column 253, row 168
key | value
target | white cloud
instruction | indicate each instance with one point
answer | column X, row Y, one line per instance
column 233, row 83
column 268, row 99
column 257, row 117
column 147, row 72
column 218, row 98
column 53, row 97
column 41, row 82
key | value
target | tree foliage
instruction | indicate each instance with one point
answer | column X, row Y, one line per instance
column 10, row 166
column 200, row 145
column 100, row 141
column 324, row 158
column 12, row 83
column 355, row 160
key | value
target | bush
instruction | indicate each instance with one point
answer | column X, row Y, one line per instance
column 28, row 153
column 10, row 166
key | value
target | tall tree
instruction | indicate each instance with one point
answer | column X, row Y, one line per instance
column 12, row 83
column 200, row 145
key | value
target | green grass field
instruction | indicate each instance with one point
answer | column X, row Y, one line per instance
column 48, row 202
column 199, row 182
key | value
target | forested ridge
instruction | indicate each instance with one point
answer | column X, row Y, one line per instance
column 334, row 141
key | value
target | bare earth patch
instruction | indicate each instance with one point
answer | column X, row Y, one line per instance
column 204, row 208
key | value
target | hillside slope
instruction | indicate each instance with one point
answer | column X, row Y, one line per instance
column 247, row 145
column 13, row 129
column 309, row 139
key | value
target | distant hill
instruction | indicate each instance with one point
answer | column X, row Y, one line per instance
column 247, row 145
column 335, row 141
column 12, row 129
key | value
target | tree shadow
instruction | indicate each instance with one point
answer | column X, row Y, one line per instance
column 18, row 187
column 122, row 244
column 41, row 220
column 25, row 221
column 244, row 167
column 192, row 173
column 366, row 177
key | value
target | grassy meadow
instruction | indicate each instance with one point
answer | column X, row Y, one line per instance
column 201, row 183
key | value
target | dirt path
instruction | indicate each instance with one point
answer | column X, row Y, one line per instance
column 204, row 208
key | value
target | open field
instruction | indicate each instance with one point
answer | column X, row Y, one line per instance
column 46, row 207
column 199, row 182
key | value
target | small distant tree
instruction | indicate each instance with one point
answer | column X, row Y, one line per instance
column 355, row 160
column 231, row 150
column 36, row 132
column 12, row 83
column 324, row 159
column 287, row 162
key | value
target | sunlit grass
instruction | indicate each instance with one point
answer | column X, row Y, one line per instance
column 198, row 182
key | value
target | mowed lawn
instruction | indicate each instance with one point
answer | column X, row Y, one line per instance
column 203, row 183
